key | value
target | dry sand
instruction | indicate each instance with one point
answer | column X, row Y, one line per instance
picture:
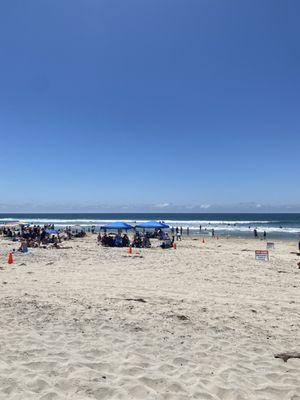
column 200, row 322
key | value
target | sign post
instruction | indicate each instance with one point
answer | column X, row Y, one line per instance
column 262, row 255
column 270, row 245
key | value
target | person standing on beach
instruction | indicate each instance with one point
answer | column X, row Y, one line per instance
column 255, row 233
column 188, row 231
column 265, row 234
column 181, row 230
column 213, row 232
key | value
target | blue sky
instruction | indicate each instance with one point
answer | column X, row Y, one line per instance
column 149, row 102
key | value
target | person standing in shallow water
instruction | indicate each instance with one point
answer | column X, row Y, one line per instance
column 265, row 234
column 255, row 233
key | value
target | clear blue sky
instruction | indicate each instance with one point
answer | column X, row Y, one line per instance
column 190, row 101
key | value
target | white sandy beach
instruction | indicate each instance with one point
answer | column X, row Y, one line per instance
column 200, row 322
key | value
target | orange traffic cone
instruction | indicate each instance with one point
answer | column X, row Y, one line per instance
column 10, row 259
column 129, row 250
column 174, row 246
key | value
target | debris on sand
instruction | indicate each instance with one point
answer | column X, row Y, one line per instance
column 182, row 317
column 138, row 299
column 287, row 356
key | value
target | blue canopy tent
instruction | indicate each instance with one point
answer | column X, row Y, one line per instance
column 117, row 225
column 152, row 225
column 52, row 231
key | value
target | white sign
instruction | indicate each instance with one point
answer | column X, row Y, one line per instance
column 270, row 245
column 262, row 255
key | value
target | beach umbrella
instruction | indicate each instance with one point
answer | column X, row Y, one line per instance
column 152, row 225
column 117, row 225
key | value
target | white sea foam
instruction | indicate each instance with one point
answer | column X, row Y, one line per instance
column 168, row 221
column 225, row 222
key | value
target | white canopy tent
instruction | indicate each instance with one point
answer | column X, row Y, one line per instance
column 76, row 229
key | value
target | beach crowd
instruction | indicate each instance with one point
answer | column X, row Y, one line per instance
column 37, row 236
column 139, row 240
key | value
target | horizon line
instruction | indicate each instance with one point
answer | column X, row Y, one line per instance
column 147, row 212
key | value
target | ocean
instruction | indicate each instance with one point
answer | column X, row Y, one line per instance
column 281, row 226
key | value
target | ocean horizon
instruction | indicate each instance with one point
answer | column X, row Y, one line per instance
column 279, row 225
